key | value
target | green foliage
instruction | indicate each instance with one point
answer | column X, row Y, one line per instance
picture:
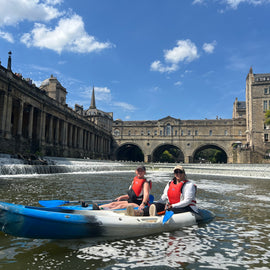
column 211, row 155
column 267, row 117
column 166, row 156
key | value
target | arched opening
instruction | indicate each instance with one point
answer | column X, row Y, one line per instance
column 129, row 152
column 210, row 154
column 168, row 153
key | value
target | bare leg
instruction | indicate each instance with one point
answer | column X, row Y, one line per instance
column 117, row 205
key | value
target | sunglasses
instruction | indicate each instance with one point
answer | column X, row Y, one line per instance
column 178, row 171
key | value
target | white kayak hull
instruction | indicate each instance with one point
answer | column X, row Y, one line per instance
column 73, row 222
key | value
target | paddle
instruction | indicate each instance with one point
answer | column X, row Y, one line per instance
column 55, row 203
column 167, row 216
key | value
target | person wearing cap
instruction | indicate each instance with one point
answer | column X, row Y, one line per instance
column 179, row 196
column 138, row 193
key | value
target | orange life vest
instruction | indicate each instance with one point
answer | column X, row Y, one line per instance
column 175, row 191
column 137, row 186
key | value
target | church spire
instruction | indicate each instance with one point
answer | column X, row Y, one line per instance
column 93, row 100
column 9, row 61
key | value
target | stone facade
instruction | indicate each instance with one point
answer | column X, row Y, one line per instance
column 189, row 136
column 38, row 120
column 257, row 102
column 244, row 138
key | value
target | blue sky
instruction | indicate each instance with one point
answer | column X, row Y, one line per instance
column 147, row 59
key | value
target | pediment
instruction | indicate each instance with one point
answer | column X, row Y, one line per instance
column 168, row 119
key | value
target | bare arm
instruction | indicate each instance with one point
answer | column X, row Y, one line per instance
column 146, row 191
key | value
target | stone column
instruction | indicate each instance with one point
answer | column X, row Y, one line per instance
column 42, row 127
column 51, row 129
column 3, row 115
column 56, row 139
column 75, row 137
column 65, row 133
column 20, row 118
column 70, row 135
column 8, row 118
column 80, row 141
column 30, row 122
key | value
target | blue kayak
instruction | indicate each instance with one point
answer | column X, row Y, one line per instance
column 76, row 221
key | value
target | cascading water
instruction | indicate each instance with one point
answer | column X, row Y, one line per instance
column 55, row 165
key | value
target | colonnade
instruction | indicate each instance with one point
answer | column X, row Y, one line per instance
column 48, row 129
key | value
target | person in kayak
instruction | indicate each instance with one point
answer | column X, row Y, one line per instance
column 178, row 196
column 138, row 193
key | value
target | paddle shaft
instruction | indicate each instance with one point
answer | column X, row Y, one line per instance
column 55, row 203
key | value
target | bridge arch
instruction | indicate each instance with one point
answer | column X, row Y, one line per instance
column 222, row 155
column 175, row 153
column 129, row 152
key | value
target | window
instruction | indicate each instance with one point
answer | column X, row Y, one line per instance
column 182, row 133
column 175, row 133
column 240, row 132
column 129, row 133
column 265, row 105
column 266, row 137
column 148, row 133
column 189, row 132
column 160, row 133
column 155, row 133
column 168, row 130
column 265, row 91
column 142, row 133
column 210, row 132
column 226, row 132
column 196, row 132
column 116, row 132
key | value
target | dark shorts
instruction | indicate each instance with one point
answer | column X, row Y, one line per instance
column 135, row 201
column 161, row 207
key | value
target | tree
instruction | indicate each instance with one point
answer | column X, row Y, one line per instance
column 267, row 118
column 166, row 156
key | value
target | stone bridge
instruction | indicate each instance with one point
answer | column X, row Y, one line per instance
column 187, row 136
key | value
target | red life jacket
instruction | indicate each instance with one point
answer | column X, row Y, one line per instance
column 175, row 191
column 137, row 186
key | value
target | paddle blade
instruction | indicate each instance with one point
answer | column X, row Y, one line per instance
column 151, row 198
column 167, row 216
column 52, row 203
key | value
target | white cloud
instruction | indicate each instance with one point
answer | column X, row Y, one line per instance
column 185, row 51
column 179, row 83
column 197, row 2
column 14, row 11
column 103, row 93
column 158, row 66
column 125, row 106
column 68, row 35
column 7, row 36
column 209, row 47
column 234, row 3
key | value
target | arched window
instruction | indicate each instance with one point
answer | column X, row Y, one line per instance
column 168, row 130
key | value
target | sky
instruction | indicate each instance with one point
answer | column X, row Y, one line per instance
column 146, row 59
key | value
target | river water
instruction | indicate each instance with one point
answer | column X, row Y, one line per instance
column 238, row 237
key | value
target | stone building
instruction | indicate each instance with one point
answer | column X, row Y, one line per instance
column 34, row 119
column 257, row 103
column 38, row 120
column 244, row 138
